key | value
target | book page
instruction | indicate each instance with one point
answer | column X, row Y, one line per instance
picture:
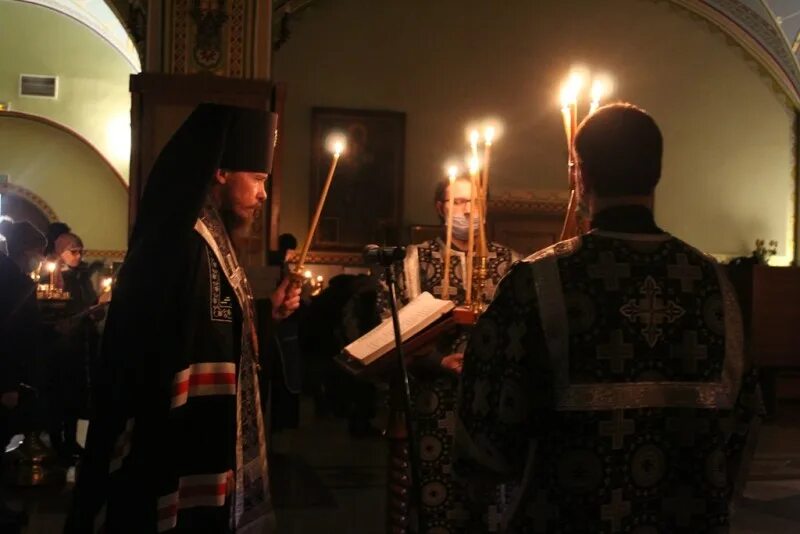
column 414, row 317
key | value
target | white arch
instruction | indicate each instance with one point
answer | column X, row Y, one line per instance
column 97, row 16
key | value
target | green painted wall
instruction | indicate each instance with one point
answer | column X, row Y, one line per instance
column 93, row 97
column 728, row 134
column 70, row 177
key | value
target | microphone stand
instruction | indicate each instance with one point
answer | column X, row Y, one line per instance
column 387, row 260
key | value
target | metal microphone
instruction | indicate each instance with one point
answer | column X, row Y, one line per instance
column 386, row 256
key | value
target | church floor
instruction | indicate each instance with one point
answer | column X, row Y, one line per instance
column 324, row 481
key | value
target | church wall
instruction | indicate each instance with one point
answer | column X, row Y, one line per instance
column 728, row 131
column 70, row 177
column 93, row 97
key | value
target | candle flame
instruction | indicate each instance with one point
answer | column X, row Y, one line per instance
column 474, row 136
column 336, row 143
column 307, row 274
column 51, row 267
column 319, row 278
column 598, row 90
column 570, row 90
column 106, row 282
column 474, row 165
column 452, row 173
column 488, row 135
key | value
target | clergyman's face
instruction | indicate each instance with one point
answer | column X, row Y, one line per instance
column 243, row 193
column 462, row 193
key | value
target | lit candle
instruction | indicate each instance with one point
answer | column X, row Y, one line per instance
column 597, row 93
column 336, row 145
column 474, row 137
column 106, row 283
column 575, row 82
column 452, row 173
column 566, row 116
column 51, row 268
column 488, row 139
column 473, row 213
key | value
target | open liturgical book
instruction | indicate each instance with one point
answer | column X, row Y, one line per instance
column 414, row 317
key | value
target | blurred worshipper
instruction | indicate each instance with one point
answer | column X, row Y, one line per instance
column 19, row 331
column 287, row 243
column 450, row 507
column 608, row 374
column 282, row 384
column 341, row 313
column 54, row 230
column 4, row 220
column 177, row 442
column 74, row 347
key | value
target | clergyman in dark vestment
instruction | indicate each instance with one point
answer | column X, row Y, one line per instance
column 448, row 505
column 608, row 377
column 177, row 443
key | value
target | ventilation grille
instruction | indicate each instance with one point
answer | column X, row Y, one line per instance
column 42, row 86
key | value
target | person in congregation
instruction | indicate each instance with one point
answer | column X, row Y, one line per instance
column 435, row 375
column 177, row 443
column 608, row 375
column 74, row 347
column 54, row 231
column 19, row 331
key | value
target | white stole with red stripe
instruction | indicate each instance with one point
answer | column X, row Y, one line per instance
column 251, row 461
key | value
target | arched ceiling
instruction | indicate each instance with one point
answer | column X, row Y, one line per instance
column 787, row 14
column 754, row 25
column 767, row 29
column 101, row 19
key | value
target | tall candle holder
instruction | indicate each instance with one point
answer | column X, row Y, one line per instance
column 477, row 266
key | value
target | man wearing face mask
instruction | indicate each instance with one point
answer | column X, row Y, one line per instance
column 435, row 377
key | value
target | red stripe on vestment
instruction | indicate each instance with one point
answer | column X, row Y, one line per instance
column 193, row 491
column 203, row 379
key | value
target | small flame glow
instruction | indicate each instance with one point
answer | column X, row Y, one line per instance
column 598, row 90
column 51, row 267
column 474, row 165
column 307, row 274
column 573, row 85
column 452, row 172
column 488, row 135
column 336, row 143
column 319, row 278
column 474, row 137
column 602, row 86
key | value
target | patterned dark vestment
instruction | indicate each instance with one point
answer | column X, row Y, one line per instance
column 449, row 506
column 607, row 378
column 178, row 444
